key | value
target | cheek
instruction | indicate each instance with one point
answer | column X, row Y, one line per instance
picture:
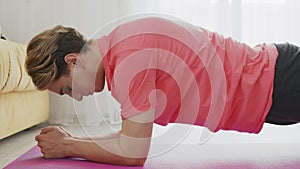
column 82, row 84
column 77, row 84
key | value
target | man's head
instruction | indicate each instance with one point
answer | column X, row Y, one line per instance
column 46, row 53
column 61, row 60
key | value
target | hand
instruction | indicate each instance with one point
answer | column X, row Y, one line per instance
column 52, row 141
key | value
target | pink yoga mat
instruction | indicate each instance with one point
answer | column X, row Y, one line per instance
column 183, row 157
column 33, row 159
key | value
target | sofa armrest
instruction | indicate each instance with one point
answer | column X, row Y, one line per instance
column 13, row 76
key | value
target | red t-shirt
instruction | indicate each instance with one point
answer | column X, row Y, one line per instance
column 188, row 75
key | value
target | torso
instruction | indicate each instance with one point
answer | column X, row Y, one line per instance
column 199, row 77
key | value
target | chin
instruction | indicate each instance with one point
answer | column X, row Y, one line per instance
column 99, row 89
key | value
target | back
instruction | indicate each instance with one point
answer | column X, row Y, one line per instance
column 188, row 74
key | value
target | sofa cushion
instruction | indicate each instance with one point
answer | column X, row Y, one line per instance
column 13, row 76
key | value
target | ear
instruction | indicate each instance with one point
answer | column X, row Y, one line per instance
column 72, row 59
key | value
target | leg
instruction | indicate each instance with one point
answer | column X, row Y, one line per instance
column 286, row 94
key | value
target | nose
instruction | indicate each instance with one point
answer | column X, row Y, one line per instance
column 78, row 97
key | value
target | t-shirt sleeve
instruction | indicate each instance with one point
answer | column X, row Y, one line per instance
column 134, row 81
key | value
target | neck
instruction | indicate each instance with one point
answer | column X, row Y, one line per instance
column 100, row 74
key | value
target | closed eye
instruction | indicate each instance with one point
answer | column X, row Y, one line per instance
column 65, row 90
column 68, row 89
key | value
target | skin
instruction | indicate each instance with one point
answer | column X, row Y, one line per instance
column 129, row 146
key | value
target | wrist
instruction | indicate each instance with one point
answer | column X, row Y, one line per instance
column 69, row 147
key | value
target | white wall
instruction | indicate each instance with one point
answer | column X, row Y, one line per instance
column 22, row 19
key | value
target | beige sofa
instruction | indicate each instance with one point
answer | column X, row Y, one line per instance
column 21, row 105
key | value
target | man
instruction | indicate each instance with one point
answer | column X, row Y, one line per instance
column 162, row 71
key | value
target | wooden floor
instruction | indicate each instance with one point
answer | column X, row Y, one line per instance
column 15, row 145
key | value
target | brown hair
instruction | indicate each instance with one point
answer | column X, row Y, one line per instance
column 46, row 51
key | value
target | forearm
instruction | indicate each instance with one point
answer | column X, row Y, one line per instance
column 115, row 150
column 104, row 137
column 130, row 146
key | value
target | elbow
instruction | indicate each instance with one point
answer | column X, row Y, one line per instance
column 135, row 162
column 140, row 162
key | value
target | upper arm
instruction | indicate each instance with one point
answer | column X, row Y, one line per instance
column 136, row 133
column 139, row 126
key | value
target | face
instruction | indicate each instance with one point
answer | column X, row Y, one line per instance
column 74, row 85
column 84, row 79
